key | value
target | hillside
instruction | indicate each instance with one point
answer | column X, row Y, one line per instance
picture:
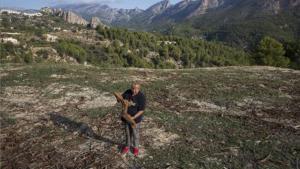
column 242, row 25
column 64, row 116
column 237, row 23
column 50, row 38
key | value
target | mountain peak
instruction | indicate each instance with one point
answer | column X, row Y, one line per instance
column 72, row 17
column 204, row 5
column 159, row 7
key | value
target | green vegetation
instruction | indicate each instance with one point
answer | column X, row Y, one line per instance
column 271, row 52
column 118, row 47
column 238, row 27
column 28, row 58
column 17, row 53
column 191, row 53
column 125, row 48
column 71, row 49
column 6, row 120
column 293, row 53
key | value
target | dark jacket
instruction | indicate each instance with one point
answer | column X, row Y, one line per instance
column 137, row 103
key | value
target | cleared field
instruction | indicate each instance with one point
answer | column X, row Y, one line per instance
column 64, row 116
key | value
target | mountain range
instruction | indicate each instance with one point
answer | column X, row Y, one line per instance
column 108, row 15
column 235, row 22
column 183, row 10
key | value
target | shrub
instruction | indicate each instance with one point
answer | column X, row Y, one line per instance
column 271, row 52
column 28, row 57
column 73, row 50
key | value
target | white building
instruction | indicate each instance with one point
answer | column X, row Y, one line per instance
column 56, row 28
column 50, row 38
column 9, row 11
column 32, row 14
column 167, row 42
column 10, row 33
column 11, row 40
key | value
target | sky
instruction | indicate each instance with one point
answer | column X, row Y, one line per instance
column 37, row 4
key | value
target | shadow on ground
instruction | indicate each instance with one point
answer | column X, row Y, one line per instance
column 83, row 129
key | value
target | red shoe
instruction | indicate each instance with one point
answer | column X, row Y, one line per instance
column 125, row 150
column 135, row 151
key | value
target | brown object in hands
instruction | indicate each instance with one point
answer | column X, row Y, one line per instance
column 125, row 105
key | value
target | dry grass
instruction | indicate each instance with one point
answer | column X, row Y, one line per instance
column 63, row 116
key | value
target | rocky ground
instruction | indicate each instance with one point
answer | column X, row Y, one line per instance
column 64, row 116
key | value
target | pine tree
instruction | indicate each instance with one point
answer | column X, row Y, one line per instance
column 271, row 52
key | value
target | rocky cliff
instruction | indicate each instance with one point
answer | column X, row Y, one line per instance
column 107, row 14
column 73, row 18
column 95, row 21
